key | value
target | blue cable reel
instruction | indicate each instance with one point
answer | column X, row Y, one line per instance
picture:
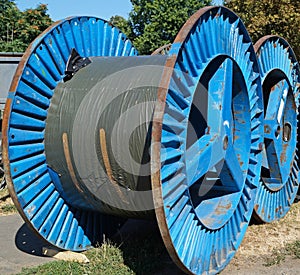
column 206, row 136
column 206, row 190
column 279, row 175
column 30, row 180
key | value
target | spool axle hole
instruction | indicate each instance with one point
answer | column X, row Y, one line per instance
column 277, row 131
column 225, row 142
column 287, row 132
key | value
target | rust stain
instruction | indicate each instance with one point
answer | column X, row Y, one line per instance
column 208, row 130
column 31, row 209
column 256, row 207
column 273, row 89
column 283, row 157
column 261, row 41
column 105, row 155
column 223, row 208
column 69, row 162
column 107, row 165
column 261, row 146
column 187, row 27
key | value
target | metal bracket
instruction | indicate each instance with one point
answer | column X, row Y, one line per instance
column 74, row 64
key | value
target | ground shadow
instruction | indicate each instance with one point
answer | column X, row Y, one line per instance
column 27, row 241
column 143, row 249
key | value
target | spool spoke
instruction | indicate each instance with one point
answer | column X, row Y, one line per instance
column 227, row 100
column 202, row 156
column 233, row 176
column 277, row 101
column 273, row 159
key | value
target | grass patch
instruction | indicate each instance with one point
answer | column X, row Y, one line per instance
column 6, row 204
column 8, row 209
column 278, row 256
column 57, row 267
column 107, row 259
column 293, row 249
column 134, row 256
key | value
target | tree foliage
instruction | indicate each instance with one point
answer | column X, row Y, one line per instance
column 154, row 23
column 18, row 29
column 264, row 17
column 122, row 24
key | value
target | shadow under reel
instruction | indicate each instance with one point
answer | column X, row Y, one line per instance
column 94, row 134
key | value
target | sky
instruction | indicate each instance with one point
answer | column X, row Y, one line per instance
column 59, row 9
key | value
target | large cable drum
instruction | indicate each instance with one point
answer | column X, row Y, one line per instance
column 279, row 175
column 30, row 180
column 178, row 137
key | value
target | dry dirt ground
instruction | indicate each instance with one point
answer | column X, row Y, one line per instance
column 263, row 251
column 264, row 248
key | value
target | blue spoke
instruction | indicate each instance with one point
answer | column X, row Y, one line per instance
column 204, row 154
column 227, row 100
column 273, row 151
column 220, row 83
column 232, row 175
column 276, row 102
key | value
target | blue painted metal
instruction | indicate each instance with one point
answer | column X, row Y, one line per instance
column 208, row 189
column 36, row 196
column 279, row 179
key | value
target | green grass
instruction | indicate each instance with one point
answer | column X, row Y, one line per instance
column 278, row 256
column 137, row 256
column 107, row 259
column 8, row 208
column 293, row 249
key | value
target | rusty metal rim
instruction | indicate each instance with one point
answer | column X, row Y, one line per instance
column 166, row 47
column 157, row 134
column 5, row 125
column 265, row 38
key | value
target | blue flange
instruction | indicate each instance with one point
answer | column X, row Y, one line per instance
column 29, row 178
column 279, row 176
column 208, row 139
